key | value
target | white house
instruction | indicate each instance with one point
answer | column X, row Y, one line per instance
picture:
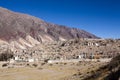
column 16, row 58
column 31, row 60
column 12, row 60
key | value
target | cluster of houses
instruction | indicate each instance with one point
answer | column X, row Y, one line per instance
column 18, row 58
column 36, row 56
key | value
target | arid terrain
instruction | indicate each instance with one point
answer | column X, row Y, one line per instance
column 32, row 49
column 64, row 60
column 22, row 30
column 63, row 71
column 56, row 71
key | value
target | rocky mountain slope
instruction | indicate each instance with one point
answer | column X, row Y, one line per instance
column 22, row 30
column 71, row 49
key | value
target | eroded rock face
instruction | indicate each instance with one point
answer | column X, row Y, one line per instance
column 26, row 31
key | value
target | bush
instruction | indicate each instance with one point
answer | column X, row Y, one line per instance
column 5, row 56
column 27, row 64
column 79, row 73
column 51, row 64
column 40, row 68
column 65, row 63
column 42, row 64
column 4, row 65
column 35, row 65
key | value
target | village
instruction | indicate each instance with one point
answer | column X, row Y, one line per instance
column 70, row 51
column 76, row 59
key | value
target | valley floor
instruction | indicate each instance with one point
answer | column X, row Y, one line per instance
column 56, row 71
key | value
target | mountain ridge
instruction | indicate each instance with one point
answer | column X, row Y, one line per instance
column 27, row 31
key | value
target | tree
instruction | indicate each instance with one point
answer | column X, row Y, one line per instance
column 6, row 55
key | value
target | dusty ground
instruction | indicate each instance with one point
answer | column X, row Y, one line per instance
column 59, row 71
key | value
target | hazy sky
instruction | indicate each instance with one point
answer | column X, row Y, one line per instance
column 100, row 17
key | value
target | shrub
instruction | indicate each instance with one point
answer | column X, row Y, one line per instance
column 40, row 68
column 35, row 65
column 42, row 64
column 5, row 56
column 79, row 73
column 4, row 65
column 74, row 74
column 65, row 63
column 28, row 64
column 50, row 64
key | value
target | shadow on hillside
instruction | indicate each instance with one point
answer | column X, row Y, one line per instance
column 110, row 71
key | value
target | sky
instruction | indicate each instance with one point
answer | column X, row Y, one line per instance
column 100, row 17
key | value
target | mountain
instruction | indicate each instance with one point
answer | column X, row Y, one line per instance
column 22, row 30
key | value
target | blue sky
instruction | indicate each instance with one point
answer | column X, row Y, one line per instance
column 100, row 17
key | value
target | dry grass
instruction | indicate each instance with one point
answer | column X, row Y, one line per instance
column 46, row 72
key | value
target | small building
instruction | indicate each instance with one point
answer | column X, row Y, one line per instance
column 16, row 58
column 12, row 61
column 81, row 56
column 96, row 44
column 31, row 60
